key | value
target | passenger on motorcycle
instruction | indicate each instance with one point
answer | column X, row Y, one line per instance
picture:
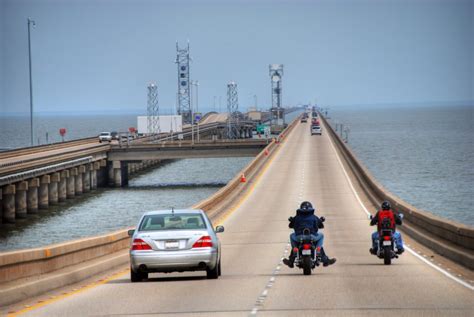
column 305, row 218
column 395, row 219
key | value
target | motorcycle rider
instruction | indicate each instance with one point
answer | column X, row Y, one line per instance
column 395, row 219
column 305, row 218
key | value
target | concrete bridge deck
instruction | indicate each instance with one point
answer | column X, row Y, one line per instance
column 254, row 282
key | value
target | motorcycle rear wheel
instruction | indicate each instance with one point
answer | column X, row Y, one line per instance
column 387, row 255
column 307, row 265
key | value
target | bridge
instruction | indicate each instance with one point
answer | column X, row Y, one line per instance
column 434, row 277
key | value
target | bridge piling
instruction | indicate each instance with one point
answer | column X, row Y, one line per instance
column 1, row 205
column 20, row 199
column 44, row 192
column 53, row 189
column 71, row 184
column 86, row 179
column 117, row 170
column 78, row 185
column 9, row 204
column 62, row 191
column 94, row 169
column 32, row 196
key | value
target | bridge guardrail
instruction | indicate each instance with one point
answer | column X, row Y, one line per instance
column 32, row 262
column 448, row 238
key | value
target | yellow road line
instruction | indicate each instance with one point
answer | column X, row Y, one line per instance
column 53, row 299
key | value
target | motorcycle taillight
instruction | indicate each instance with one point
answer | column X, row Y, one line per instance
column 306, row 246
column 386, row 238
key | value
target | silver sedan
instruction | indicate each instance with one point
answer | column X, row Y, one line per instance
column 174, row 241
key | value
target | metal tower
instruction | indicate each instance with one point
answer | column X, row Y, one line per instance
column 153, row 123
column 184, row 95
column 276, row 74
column 232, row 108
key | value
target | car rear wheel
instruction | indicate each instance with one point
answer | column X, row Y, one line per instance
column 137, row 276
column 214, row 273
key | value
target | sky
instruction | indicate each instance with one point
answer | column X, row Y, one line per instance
column 100, row 55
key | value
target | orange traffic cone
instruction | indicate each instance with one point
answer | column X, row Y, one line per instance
column 242, row 178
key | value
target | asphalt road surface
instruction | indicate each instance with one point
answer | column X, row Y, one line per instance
column 256, row 238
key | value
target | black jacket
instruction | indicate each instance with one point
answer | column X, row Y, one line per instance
column 305, row 219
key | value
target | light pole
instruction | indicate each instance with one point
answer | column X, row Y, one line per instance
column 30, row 23
column 256, row 104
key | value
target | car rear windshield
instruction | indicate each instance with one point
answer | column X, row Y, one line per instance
column 172, row 222
column 105, row 133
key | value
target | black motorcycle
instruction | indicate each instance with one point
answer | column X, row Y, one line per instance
column 307, row 255
column 386, row 249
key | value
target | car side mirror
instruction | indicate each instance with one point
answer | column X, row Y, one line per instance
column 370, row 217
column 131, row 232
column 219, row 229
column 401, row 215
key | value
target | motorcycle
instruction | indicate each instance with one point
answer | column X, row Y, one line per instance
column 386, row 246
column 307, row 255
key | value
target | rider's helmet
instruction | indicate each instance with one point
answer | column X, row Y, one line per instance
column 306, row 205
column 386, row 205
column 306, row 208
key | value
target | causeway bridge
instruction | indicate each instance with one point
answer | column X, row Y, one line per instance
column 434, row 277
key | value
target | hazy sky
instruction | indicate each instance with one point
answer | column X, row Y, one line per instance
column 100, row 54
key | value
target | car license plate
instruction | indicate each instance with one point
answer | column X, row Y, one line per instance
column 306, row 252
column 385, row 243
column 171, row 244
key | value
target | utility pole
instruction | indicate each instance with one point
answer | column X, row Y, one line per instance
column 30, row 23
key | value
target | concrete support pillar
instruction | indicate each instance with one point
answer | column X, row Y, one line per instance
column 71, row 183
column 79, row 187
column 21, row 189
column 1, row 205
column 62, row 190
column 43, row 192
column 32, row 199
column 53, row 189
column 8, row 198
column 117, row 173
column 86, row 179
column 94, row 169
column 110, row 174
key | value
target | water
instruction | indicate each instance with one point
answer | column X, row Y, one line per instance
column 422, row 154
column 179, row 184
column 15, row 130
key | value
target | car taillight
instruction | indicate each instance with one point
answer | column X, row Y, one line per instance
column 139, row 244
column 203, row 242
column 306, row 246
column 386, row 238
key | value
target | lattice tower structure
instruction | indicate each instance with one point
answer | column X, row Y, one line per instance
column 184, row 91
column 153, row 123
column 276, row 74
column 232, row 109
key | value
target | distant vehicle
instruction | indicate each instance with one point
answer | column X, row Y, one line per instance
column 174, row 241
column 105, row 136
column 315, row 114
column 315, row 121
column 115, row 135
column 316, row 129
column 304, row 119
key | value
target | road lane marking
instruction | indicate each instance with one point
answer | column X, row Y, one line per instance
column 64, row 295
column 446, row 273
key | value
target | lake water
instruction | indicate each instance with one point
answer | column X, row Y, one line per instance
column 424, row 155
